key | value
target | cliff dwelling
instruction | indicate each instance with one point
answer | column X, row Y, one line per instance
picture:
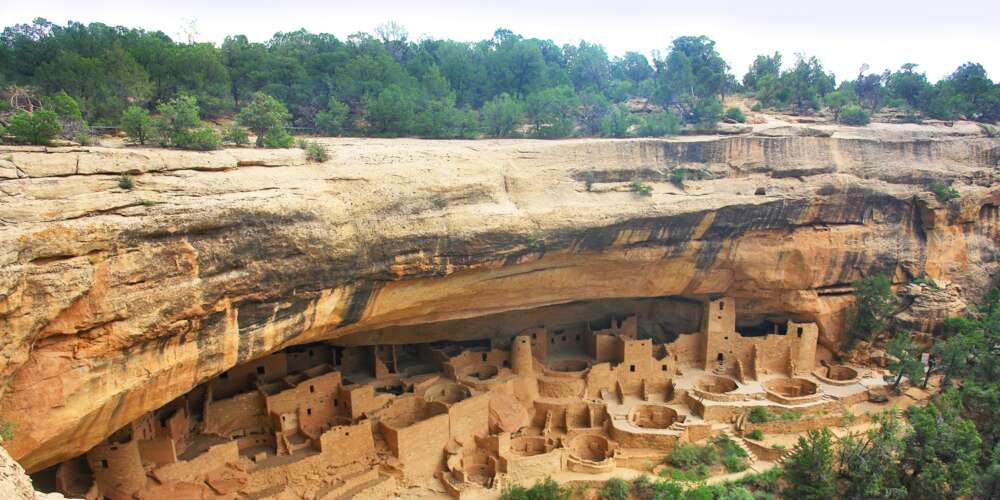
column 336, row 420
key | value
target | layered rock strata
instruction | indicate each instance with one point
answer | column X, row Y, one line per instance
column 113, row 301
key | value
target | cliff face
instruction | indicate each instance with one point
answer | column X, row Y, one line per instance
column 114, row 302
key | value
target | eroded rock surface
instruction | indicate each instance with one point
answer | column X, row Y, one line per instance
column 114, row 302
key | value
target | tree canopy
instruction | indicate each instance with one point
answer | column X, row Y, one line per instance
column 386, row 83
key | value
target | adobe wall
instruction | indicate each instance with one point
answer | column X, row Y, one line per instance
column 117, row 468
column 240, row 414
column 521, row 469
column 644, row 439
column 807, row 335
column 158, row 451
column 469, row 418
column 420, row 446
column 195, row 469
column 301, row 360
column 240, row 378
column 309, row 391
column 357, row 360
column 347, row 443
column 355, row 400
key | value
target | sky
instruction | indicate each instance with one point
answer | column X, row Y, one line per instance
column 938, row 35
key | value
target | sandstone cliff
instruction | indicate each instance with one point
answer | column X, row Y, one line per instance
column 113, row 302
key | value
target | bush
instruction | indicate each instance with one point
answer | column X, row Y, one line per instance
column 943, row 192
column 84, row 139
column 125, row 182
column 331, row 120
column 790, row 415
column 616, row 122
column 759, row 415
column 276, row 137
column 706, row 113
column 316, row 153
column 137, row 124
column 755, row 434
column 732, row 456
column 615, row 489
column 546, row 489
column 39, row 127
column 660, row 124
column 202, row 139
column 501, row 115
column 263, row 115
column 177, row 116
column 853, row 115
column 679, row 175
column 6, row 430
column 687, row 456
column 735, row 114
column 694, row 475
column 641, row 188
column 236, row 135
column 643, row 487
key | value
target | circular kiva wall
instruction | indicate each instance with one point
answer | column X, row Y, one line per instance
column 569, row 365
column 716, row 385
column 791, row 387
column 447, row 393
column 837, row 374
column 529, row 445
column 591, row 447
column 652, row 416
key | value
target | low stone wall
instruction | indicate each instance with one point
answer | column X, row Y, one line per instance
column 804, row 424
column 765, row 452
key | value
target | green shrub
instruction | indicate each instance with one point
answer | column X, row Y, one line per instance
column 39, row 127
column 853, row 115
column 546, row 489
column 202, row 139
column 768, row 481
column 137, row 124
column 125, row 182
column 642, row 189
column 659, row 124
column 732, row 455
column 943, row 192
column 332, row 119
column 735, row 114
column 177, row 116
column 316, row 153
column 277, row 138
column 264, row 116
column 6, row 430
column 643, row 487
column 688, row 455
column 615, row 489
column 755, row 434
column 759, row 415
column 236, row 135
column 679, row 175
column 790, row 415
column 616, row 122
column 695, row 474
